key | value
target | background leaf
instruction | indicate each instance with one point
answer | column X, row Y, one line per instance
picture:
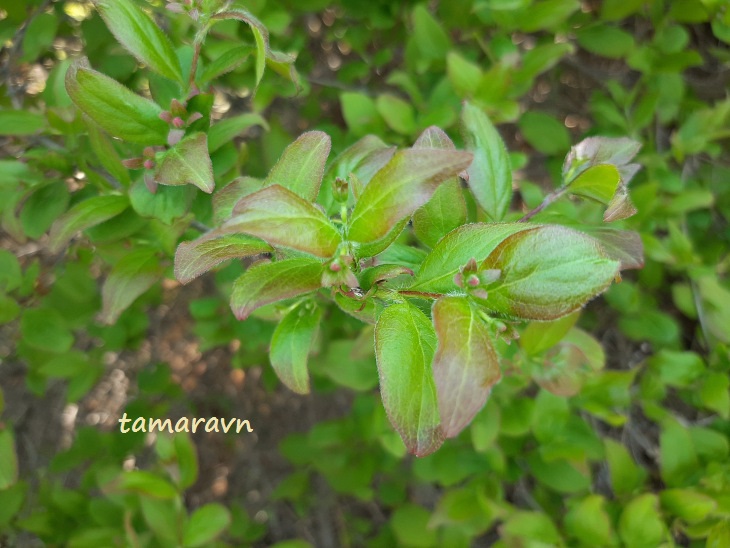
column 131, row 276
column 84, row 215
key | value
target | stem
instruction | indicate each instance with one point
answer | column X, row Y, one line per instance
column 549, row 199
column 420, row 294
column 194, row 65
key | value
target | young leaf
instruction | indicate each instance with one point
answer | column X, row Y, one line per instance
column 598, row 183
column 490, row 174
column 465, row 366
column 84, row 215
column 226, row 62
column 284, row 219
column 224, row 131
column 205, row 524
column 403, row 185
column 225, row 199
column 404, row 348
column 547, row 272
column 378, row 246
column 446, row 210
column 131, row 276
column 290, row 346
column 199, row 256
column 187, row 162
column 455, row 249
column 270, row 282
column 594, row 151
column 20, row 122
column 107, row 154
column 620, row 207
column 141, row 36
column 301, row 166
column 114, row 108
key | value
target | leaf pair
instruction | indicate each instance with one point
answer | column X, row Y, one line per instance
column 434, row 378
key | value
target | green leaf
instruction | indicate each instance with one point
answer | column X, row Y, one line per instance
column 163, row 518
column 20, row 122
column 38, row 36
column 430, row 38
column 360, row 113
column 455, row 249
column 131, row 276
column 397, row 113
column 187, row 460
column 145, row 483
column 141, row 36
column 446, row 210
column 11, row 502
column 403, row 185
column 689, row 506
column 465, row 366
column 588, row 522
column 547, row 272
column 544, row 133
column 42, row 207
column 84, row 215
column 641, row 524
column 538, row 337
column 677, row 455
column 715, row 393
column 270, row 282
column 205, row 524
column 606, row 41
column 463, row 74
column 598, row 183
column 410, row 524
column 8, row 459
column 594, row 151
column 166, row 204
column 490, row 174
column 114, row 108
column 282, row 218
column 186, row 163
column 260, row 40
column 301, row 166
column 224, row 131
column 626, row 476
column 533, row 526
column 223, row 63
column 198, row 256
column 106, row 153
column 11, row 275
column 291, row 344
column 45, row 329
column 378, row 246
column 405, row 342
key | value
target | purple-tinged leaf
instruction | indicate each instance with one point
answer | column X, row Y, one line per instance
column 115, row 108
column 186, row 163
column 301, row 166
column 198, row 256
column 547, row 272
column 624, row 246
column 490, row 174
column 284, row 219
column 363, row 159
column 446, row 210
column 290, row 347
column 455, row 249
column 403, row 185
column 267, row 283
column 405, row 343
column 131, row 276
column 594, row 151
column 620, row 207
column 84, row 215
column 141, row 36
column 227, row 197
column 465, row 366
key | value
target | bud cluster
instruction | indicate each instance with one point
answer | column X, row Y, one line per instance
column 474, row 281
column 178, row 118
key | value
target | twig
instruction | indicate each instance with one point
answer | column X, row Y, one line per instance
column 549, row 199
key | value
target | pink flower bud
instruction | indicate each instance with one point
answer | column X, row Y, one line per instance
column 166, row 116
column 178, row 122
column 149, row 164
column 473, row 280
column 335, row 267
